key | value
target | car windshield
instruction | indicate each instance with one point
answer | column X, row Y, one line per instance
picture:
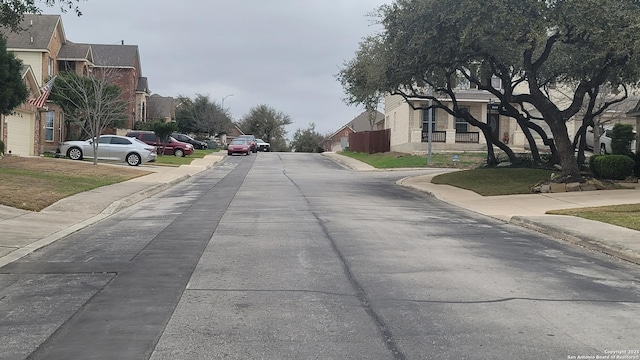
column 238, row 142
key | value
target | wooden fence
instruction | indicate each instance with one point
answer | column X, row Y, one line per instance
column 370, row 142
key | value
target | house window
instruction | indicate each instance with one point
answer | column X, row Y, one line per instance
column 496, row 82
column 48, row 126
column 462, row 125
column 50, row 69
column 425, row 119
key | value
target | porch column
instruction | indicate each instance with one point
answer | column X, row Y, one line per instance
column 451, row 129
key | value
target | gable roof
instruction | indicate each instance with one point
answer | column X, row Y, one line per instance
column 117, row 56
column 361, row 122
column 344, row 127
column 37, row 34
column 164, row 105
column 30, row 80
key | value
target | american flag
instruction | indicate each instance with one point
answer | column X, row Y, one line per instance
column 45, row 91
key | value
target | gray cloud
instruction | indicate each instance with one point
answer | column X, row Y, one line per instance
column 282, row 53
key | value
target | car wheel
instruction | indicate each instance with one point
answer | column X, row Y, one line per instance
column 178, row 152
column 74, row 153
column 603, row 149
column 229, row 153
column 134, row 159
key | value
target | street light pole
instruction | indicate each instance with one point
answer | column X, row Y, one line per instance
column 222, row 104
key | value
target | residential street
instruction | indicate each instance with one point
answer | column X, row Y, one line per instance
column 290, row 256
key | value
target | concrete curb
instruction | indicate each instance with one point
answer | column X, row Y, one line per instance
column 615, row 249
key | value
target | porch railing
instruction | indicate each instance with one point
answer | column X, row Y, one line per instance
column 468, row 137
column 436, row 136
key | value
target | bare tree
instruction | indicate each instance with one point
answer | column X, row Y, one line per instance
column 92, row 101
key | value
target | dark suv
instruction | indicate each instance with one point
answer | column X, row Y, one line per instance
column 253, row 145
column 188, row 139
column 171, row 147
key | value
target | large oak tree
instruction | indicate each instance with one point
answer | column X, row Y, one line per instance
column 268, row 124
column 428, row 47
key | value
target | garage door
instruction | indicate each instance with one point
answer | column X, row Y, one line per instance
column 20, row 134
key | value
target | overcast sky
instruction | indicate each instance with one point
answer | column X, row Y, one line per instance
column 281, row 53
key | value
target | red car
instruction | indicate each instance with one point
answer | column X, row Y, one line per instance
column 253, row 144
column 171, row 146
column 239, row 146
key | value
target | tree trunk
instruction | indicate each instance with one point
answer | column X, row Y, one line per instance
column 570, row 169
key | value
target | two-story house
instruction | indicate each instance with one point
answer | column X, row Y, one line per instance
column 122, row 64
column 44, row 48
column 38, row 47
column 22, row 121
column 410, row 125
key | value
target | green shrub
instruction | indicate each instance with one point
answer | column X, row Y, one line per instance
column 592, row 166
column 614, row 167
column 621, row 138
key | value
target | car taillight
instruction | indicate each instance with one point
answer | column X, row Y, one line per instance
column 152, row 149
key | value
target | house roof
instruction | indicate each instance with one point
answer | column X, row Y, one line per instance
column 344, row 127
column 361, row 122
column 75, row 51
column 119, row 56
column 37, row 34
column 162, row 104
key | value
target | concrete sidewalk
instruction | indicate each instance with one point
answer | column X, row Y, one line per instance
column 530, row 211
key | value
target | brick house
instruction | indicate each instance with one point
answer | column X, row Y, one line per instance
column 38, row 47
column 122, row 64
column 44, row 48
column 339, row 140
column 24, row 138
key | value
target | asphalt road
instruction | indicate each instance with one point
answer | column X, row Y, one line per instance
column 290, row 256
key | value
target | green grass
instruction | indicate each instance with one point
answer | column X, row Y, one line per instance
column 170, row 160
column 63, row 183
column 390, row 160
column 494, row 181
column 622, row 215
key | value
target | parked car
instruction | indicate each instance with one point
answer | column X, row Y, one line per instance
column 263, row 146
column 252, row 142
column 239, row 146
column 110, row 147
column 604, row 143
column 189, row 140
column 171, row 147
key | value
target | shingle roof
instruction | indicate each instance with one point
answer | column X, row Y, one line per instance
column 361, row 122
column 115, row 55
column 163, row 104
column 38, row 30
column 74, row 51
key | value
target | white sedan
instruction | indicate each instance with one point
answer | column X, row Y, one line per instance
column 110, row 147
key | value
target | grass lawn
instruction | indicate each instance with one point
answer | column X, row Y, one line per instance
column 622, row 215
column 389, row 160
column 491, row 181
column 35, row 183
